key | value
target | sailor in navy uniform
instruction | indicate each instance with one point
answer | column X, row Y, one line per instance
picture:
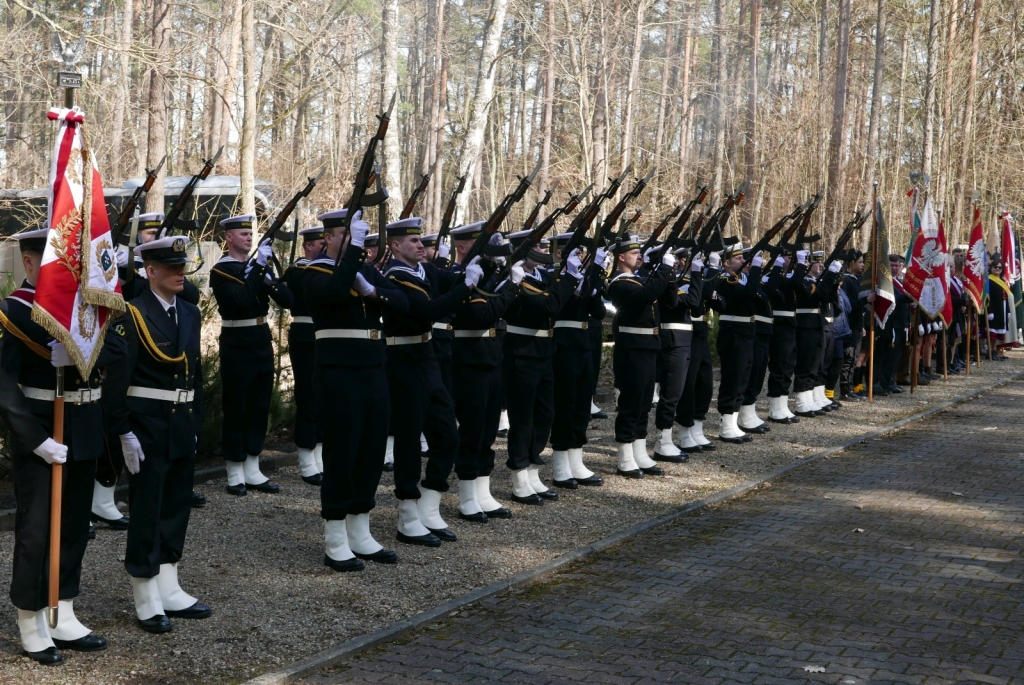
column 637, row 343
column 371, row 246
column 748, row 420
column 420, row 402
column 243, row 289
column 441, row 332
column 816, row 290
column 346, row 297
column 782, row 347
column 699, row 387
column 156, row 407
column 28, row 355
column 302, row 349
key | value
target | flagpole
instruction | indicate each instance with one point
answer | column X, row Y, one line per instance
column 967, row 340
column 945, row 351
column 988, row 330
column 915, row 353
column 874, row 291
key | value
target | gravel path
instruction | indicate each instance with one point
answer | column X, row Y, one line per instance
column 258, row 560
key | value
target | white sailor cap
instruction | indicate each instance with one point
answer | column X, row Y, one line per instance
column 404, row 227
column 629, row 242
column 372, row 240
column 733, row 250
column 468, row 231
column 429, row 240
column 818, row 256
column 333, row 218
column 562, row 239
column 151, row 220
column 240, row 221
column 518, row 237
column 312, row 233
column 32, row 241
column 168, row 250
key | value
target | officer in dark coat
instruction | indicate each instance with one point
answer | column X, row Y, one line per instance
column 243, row 289
column 699, row 386
column 810, row 336
column 301, row 349
column 28, row 355
column 748, row 420
column 156, row 407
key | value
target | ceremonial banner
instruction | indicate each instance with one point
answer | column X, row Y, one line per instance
column 877, row 274
column 1010, row 249
column 927, row 278
column 77, row 292
column 976, row 264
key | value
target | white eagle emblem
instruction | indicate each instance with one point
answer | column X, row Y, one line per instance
column 977, row 258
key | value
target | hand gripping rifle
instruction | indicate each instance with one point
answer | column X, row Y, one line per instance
column 544, row 226
column 498, row 215
column 171, row 220
column 847, row 235
column 677, row 227
column 766, row 240
column 359, row 197
column 133, row 202
column 410, row 204
column 446, row 222
column 581, row 224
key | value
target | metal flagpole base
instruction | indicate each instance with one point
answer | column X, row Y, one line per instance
column 51, row 616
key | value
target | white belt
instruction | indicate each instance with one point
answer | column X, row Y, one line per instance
column 736, row 319
column 84, row 396
column 638, row 331
column 243, row 323
column 778, row 313
column 442, row 326
column 175, row 396
column 763, row 319
column 808, row 311
column 830, row 319
column 677, row 326
column 485, row 333
column 579, row 325
column 302, row 319
column 697, row 319
column 532, row 332
column 408, row 339
column 354, row 333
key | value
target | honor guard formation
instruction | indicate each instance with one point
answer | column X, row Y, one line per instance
column 413, row 351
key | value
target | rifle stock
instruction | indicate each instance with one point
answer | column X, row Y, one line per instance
column 132, row 205
column 446, row 221
column 677, row 227
column 547, row 224
column 498, row 215
column 410, row 204
column 186, row 194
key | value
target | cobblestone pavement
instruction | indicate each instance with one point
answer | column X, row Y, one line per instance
column 897, row 561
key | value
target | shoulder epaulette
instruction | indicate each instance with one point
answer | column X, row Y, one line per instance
column 35, row 347
column 226, row 275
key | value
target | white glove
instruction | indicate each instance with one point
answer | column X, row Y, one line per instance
column 59, row 354
column 836, row 266
column 443, row 250
column 573, row 265
column 697, row 264
column 358, row 229
column 757, row 261
column 474, row 272
column 920, row 329
column 263, row 253
column 601, row 256
column 122, row 258
column 132, row 450
column 363, row 286
column 52, row 452
column 517, row 273
column 647, row 255
column 497, row 240
column 780, row 262
column 609, row 259
column 715, row 260
column 668, row 259
column 991, row 317
column 802, row 255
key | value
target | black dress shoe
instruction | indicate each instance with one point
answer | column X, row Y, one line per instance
column 759, row 430
column 444, row 534
column 428, row 540
column 196, row 611
column 237, row 490
column 570, row 484
column 895, row 390
column 381, row 556
column 591, row 481
column 88, row 643
column 835, row 405
column 389, row 466
column 265, row 487
column 710, row 447
column 92, row 532
column 532, row 498
column 479, row 517
column 808, row 414
column 680, row 459
column 198, row 500
column 346, row 566
column 549, row 495
column 635, row 473
column 788, row 419
column 653, row 471
column 316, row 480
column 116, row 524
column 736, row 441
column 48, row 657
column 879, row 391
column 156, row 624
column 499, row 513
column 598, row 415
column 852, row 398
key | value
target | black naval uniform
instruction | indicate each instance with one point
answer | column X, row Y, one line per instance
column 810, row 335
column 735, row 342
column 763, row 328
column 783, row 347
column 676, row 333
column 351, row 384
column 635, row 359
column 699, row 385
column 25, row 358
column 302, row 350
column 162, row 357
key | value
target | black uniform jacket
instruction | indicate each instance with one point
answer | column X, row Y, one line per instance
column 241, row 296
column 585, row 305
column 541, row 297
column 293, row 279
column 482, row 313
column 814, row 293
column 688, row 294
column 635, row 299
column 158, row 356
column 738, row 295
column 433, row 295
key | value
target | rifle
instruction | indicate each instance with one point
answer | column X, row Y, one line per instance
column 410, row 204
column 652, row 240
column 359, row 198
column 581, row 224
column 287, row 210
column 608, row 226
column 130, row 270
column 628, row 223
column 446, row 222
column 535, row 212
column 186, row 194
column 801, row 232
column 847, row 234
column 544, row 226
column 133, row 202
column 677, row 227
column 710, row 238
column 769, row 236
column 498, row 215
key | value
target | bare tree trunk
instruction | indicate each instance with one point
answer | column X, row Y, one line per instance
column 664, row 105
column 718, row 61
column 438, row 173
column 123, row 92
column 900, row 114
column 966, row 142
column 836, row 147
column 929, row 93
column 250, row 110
column 685, row 126
column 750, row 146
column 873, row 166
column 823, row 40
column 547, row 122
column 482, row 97
column 389, row 86
column 599, row 121
column 230, row 78
column 942, row 188
column 156, row 144
column 631, row 84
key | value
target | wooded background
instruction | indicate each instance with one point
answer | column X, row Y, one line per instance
column 793, row 94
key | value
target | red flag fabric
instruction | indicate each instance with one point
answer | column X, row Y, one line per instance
column 927, row 279
column 1008, row 249
column 976, row 263
column 77, row 293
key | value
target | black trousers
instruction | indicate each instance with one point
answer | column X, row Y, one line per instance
column 355, row 408
column 809, row 352
column 781, row 360
column 247, row 380
column 736, row 352
column 672, row 367
column 30, row 575
column 529, row 384
column 758, row 367
column 574, row 379
column 420, row 404
column 596, row 329
column 478, row 410
column 827, row 356
column 161, row 502
column 699, row 385
column 851, row 350
column 110, row 464
column 303, row 355
column 835, row 366
column 888, row 351
column 636, row 371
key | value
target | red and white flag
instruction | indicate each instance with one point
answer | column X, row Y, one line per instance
column 927, row 279
column 77, row 293
column 976, row 263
